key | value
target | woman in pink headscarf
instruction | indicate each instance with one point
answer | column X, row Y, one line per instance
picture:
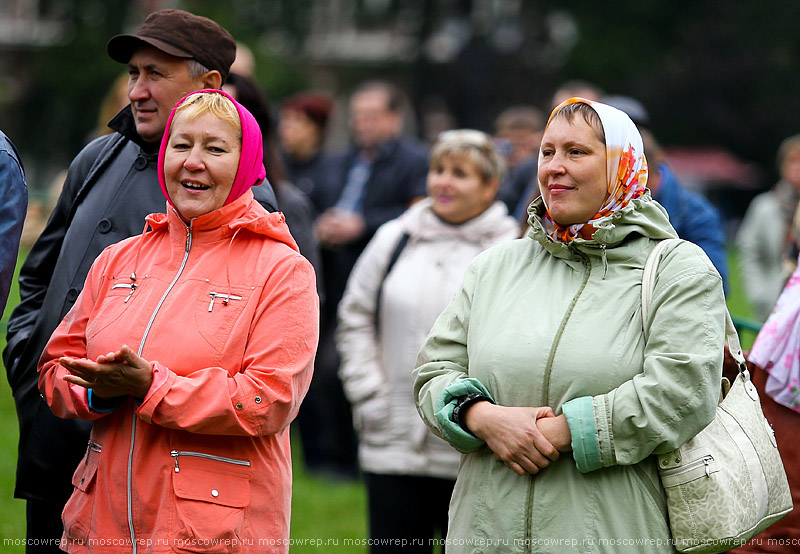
column 190, row 348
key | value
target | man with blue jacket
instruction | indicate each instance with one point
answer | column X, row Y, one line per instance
column 13, row 206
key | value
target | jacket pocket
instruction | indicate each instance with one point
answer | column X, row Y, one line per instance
column 372, row 420
column 118, row 298
column 217, row 310
column 79, row 511
column 211, row 496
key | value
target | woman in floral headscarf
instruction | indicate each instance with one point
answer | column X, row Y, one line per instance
column 539, row 372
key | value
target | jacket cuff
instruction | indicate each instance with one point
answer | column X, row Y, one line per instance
column 103, row 405
column 162, row 381
column 585, row 445
column 459, row 438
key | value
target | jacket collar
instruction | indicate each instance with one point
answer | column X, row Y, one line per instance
column 244, row 213
column 420, row 221
column 643, row 216
column 124, row 124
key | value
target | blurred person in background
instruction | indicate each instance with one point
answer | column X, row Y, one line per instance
column 302, row 122
column 112, row 184
column 374, row 182
column 245, row 61
column 115, row 99
column 693, row 217
column 13, row 207
column 580, row 88
column 774, row 361
column 691, row 214
column 518, row 131
column 192, row 396
column 294, row 204
column 765, row 234
column 384, row 318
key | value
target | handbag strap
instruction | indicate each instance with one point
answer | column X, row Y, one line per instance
column 648, row 284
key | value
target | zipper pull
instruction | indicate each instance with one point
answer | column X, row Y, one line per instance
column 175, row 455
column 213, row 296
column 605, row 260
column 706, row 462
column 133, row 288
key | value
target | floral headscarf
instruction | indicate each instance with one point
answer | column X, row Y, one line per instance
column 251, row 170
column 627, row 169
column 777, row 347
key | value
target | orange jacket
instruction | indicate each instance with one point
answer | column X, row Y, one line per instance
column 227, row 312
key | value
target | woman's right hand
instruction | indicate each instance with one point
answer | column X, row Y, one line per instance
column 511, row 433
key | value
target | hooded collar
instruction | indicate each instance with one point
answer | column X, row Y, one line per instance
column 420, row 221
column 244, row 213
column 642, row 216
column 124, row 124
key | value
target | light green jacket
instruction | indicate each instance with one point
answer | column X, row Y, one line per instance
column 540, row 323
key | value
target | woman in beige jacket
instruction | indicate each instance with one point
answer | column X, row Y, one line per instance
column 384, row 318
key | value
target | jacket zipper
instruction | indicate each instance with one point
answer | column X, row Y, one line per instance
column 546, row 387
column 178, row 453
column 141, row 348
column 94, row 446
column 705, row 460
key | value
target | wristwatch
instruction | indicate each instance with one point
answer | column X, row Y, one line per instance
column 465, row 402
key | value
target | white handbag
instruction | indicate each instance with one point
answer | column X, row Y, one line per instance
column 726, row 484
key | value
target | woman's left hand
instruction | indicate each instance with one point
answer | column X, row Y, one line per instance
column 119, row 373
column 556, row 430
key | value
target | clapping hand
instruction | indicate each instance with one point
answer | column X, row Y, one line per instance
column 119, row 373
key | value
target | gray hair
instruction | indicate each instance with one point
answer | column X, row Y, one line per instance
column 196, row 69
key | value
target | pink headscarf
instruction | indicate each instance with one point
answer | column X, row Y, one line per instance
column 251, row 170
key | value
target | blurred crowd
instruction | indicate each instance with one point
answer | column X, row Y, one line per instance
column 391, row 222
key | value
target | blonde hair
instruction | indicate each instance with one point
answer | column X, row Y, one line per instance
column 214, row 103
column 475, row 146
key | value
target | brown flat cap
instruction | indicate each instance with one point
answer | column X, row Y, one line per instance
column 182, row 34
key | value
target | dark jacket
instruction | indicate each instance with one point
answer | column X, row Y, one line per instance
column 300, row 214
column 110, row 187
column 311, row 174
column 694, row 218
column 13, row 206
column 397, row 178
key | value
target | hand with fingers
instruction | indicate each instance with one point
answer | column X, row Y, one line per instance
column 119, row 373
column 513, row 435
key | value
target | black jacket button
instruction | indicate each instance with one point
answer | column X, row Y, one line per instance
column 140, row 163
column 104, row 226
column 72, row 294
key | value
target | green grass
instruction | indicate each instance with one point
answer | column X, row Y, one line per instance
column 325, row 515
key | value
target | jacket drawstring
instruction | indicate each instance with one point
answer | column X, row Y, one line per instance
column 227, row 265
column 147, row 227
column 605, row 260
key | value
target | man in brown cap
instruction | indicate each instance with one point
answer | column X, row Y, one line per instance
column 111, row 186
